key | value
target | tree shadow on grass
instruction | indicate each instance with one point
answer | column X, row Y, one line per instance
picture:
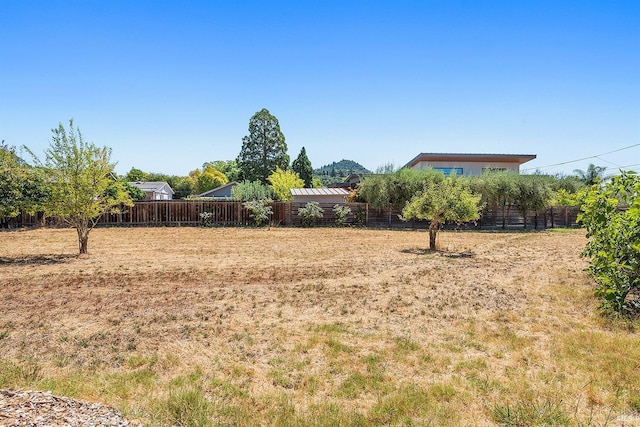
column 447, row 254
column 42, row 259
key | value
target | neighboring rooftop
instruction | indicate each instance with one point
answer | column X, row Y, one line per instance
column 470, row 157
column 319, row 192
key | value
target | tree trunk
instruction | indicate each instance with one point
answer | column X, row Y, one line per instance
column 433, row 232
column 83, row 238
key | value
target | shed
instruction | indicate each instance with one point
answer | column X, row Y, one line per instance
column 155, row 190
column 320, row 195
column 222, row 192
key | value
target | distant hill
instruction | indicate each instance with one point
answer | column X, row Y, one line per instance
column 338, row 171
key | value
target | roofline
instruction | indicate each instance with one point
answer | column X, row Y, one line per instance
column 218, row 188
column 470, row 157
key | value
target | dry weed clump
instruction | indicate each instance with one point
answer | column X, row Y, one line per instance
column 186, row 326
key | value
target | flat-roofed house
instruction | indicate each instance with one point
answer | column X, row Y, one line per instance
column 469, row 164
column 155, row 190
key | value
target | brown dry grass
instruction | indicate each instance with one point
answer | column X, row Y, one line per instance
column 316, row 326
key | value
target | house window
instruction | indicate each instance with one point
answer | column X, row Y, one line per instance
column 493, row 170
column 450, row 171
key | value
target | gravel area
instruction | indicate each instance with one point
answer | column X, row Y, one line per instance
column 37, row 408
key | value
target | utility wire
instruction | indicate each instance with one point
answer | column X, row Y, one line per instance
column 585, row 158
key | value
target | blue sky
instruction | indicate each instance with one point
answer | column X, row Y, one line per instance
column 169, row 85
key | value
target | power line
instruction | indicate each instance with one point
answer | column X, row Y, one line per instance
column 597, row 156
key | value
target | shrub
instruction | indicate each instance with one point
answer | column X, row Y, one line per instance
column 310, row 213
column 341, row 212
column 611, row 215
column 259, row 210
column 207, row 219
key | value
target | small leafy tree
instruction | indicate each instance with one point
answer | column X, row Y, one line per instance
column 310, row 213
column 448, row 200
column 83, row 184
column 611, row 216
column 282, row 181
column 531, row 193
column 341, row 212
column 259, row 210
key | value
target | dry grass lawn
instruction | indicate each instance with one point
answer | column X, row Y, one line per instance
column 327, row 326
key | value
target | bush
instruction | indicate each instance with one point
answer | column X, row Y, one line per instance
column 207, row 219
column 310, row 213
column 259, row 210
column 611, row 215
column 341, row 212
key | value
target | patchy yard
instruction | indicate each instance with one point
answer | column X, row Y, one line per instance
column 316, row 327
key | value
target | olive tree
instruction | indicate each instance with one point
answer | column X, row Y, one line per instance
column 438, row 202
column 83, row 184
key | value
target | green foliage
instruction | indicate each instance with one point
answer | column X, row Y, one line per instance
column 341, row 212
column 447, row 200
column 135, row 175
column 83, row 187
column 251, row 190
column 593, row 175
column 532, row 192
column 207, row 179
column 263, row 149
column 397, row 188
column 611, row 215
column 302, row 166
column 22, row 187
column 282, row 181
column 310, row 213
column 259, row 210
column 228, row 167
column 134, row 192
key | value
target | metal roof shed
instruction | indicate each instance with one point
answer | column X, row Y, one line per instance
column 320, row 195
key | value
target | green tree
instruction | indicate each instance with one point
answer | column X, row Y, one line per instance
column 135, row 175
column 395, row 189
column 228, row 167
column 22, row 187
column 83, row 184
column 438, row 202
column 498, row 189
column 614, row 245
column 532, row 193
column 263, row 149
column 593, row 175
column 282, row 181
column 302, row 165
column 207, row 179
column 251, row 190
column 135, row 193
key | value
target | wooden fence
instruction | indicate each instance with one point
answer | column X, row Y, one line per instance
column 227, row 213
